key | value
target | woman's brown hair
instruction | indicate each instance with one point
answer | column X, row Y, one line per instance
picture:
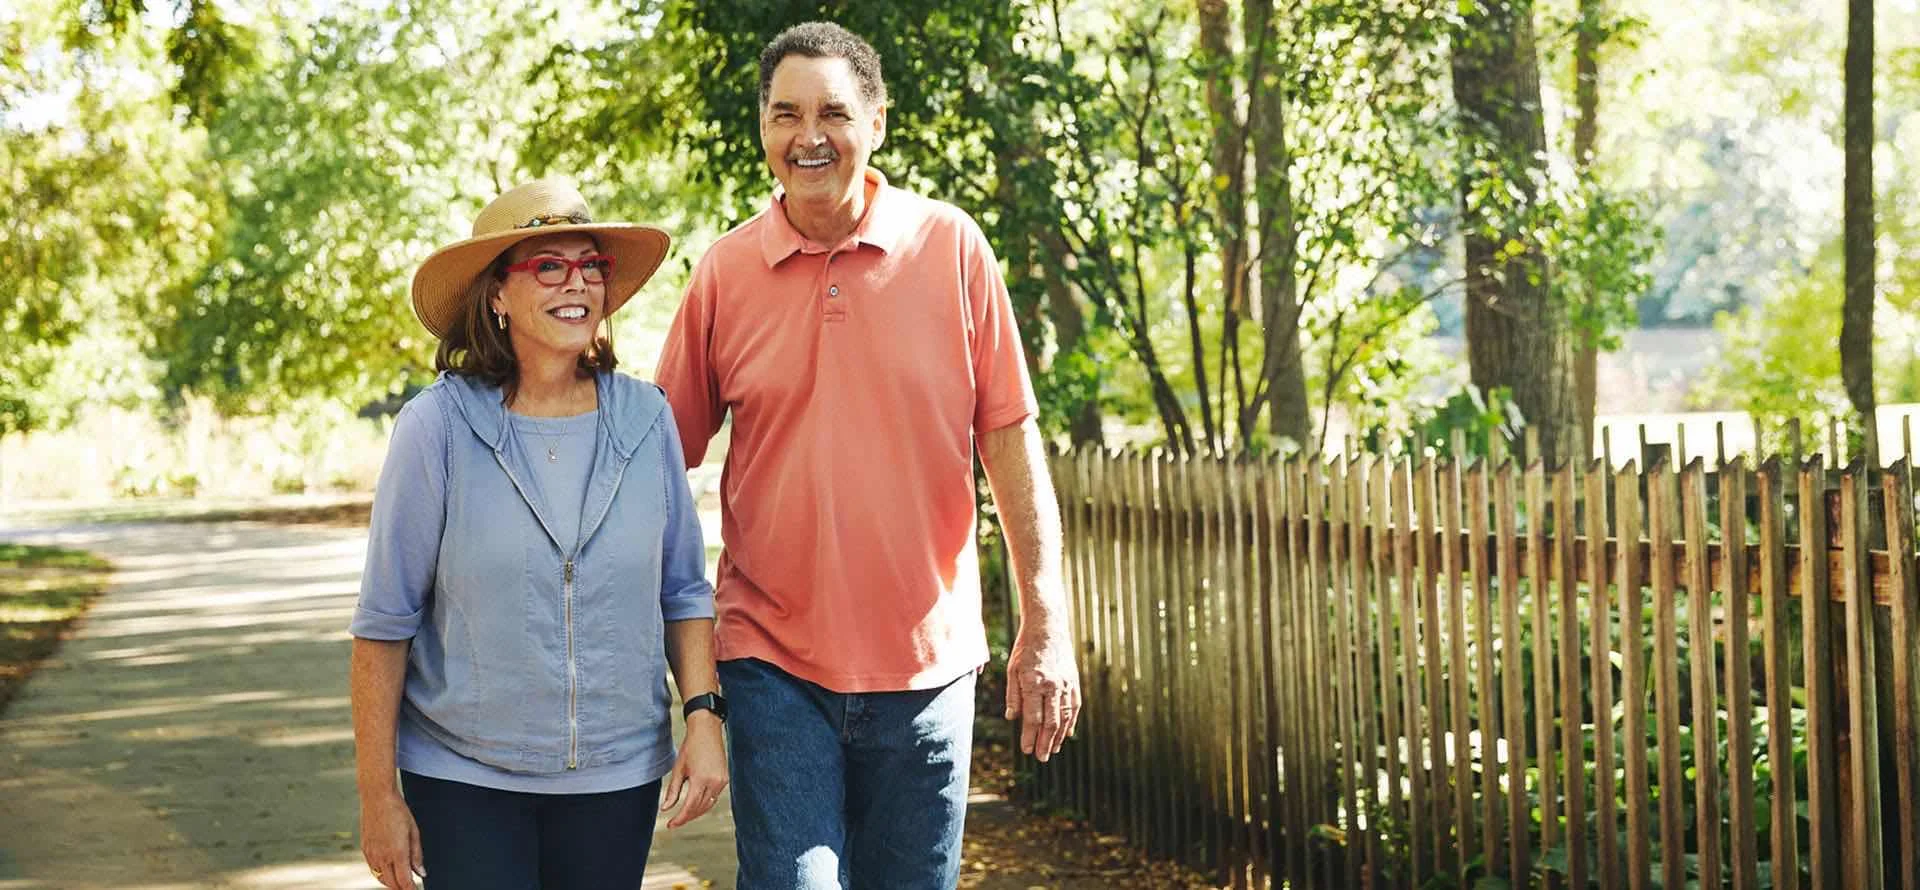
column 476, row 346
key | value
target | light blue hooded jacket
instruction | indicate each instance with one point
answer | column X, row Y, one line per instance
column 529, row 654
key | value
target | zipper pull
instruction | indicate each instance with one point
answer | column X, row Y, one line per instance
column 569, row 571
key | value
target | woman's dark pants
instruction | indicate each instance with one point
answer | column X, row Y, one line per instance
column 483, row 839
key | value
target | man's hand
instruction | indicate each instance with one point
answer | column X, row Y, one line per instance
column 1043, row 692
column 700, row 772
column 390, row 841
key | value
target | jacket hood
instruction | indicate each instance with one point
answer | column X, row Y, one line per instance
column 630, row 409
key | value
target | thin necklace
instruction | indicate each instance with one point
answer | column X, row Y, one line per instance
column 553, row 445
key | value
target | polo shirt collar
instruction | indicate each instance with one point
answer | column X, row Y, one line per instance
column 879, row 226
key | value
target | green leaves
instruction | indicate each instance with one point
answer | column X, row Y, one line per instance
column 107, row 199
column 1466, row 419
column 347, row 161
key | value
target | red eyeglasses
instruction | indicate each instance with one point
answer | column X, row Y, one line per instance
column 553, row 270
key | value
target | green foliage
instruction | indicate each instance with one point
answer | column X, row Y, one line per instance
column 1554, row 861
column 107, row 201
column 676, row 104
column 1474, row 420
column 1602, row 246
column 366, row 145
column 1363, row 168
column 241, row 192
column 1779, row 359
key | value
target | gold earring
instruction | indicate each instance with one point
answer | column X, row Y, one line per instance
column 500, row 320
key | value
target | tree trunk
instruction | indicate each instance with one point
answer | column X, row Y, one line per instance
column 1070, row 333
column 1515, row 330
column 1041, row 253
column 1229, row 181
column 1586, row 131
column 1061, row 309
column 1856, row 317
column 1284, row 368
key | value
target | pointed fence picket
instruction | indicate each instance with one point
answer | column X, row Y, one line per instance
column 1392, row 673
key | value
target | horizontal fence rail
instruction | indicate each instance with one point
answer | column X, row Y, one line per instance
column 1374, row 673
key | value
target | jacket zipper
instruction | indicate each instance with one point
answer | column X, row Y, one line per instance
column 566, row 596
column 573, row 676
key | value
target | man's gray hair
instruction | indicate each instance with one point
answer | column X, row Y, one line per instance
column 825, row 40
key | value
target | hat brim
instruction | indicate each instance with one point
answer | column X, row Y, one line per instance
column 440, row 284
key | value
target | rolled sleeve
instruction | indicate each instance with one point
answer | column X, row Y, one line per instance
column 684, row 591
column 409, row 515
column 370, row 625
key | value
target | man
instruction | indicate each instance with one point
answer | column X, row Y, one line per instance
column 862, row 339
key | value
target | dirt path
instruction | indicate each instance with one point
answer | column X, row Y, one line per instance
column 194, row 732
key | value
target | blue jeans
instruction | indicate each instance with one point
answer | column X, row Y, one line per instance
column 866, row 791
column 479, row 838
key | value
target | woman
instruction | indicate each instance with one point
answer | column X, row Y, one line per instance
column 534, row 568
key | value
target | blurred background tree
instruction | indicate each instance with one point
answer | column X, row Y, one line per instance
column 1228, row 226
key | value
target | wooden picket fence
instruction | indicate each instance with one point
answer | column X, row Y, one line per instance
column 1373, row 673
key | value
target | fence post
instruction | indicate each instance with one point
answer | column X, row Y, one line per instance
column 1296, row 758
column 1633, row 676
column 1161, row 543
column 1434, row 725
column 1897, row 485
column 1367, row 702
column 1823, row 852
column 1419, row 823
column 1567, row 572
column 1600, row 626
column 1541, row 601
column 1455, row 621
column 1666, row 657
column 1706, row 735
column 1864, row 847
column 1777, row 642
column 1738, row 597
column 1484, row 635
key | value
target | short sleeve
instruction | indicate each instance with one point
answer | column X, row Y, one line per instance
column 686, row 369
column 1003, row 392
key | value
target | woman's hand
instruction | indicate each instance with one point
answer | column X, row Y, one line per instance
column 700, row 772
column 390, row 841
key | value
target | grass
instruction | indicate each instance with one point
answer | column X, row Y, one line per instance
column 42, row 591
column 338, row 509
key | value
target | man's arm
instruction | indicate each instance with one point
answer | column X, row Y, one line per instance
column 685, row 372
column 1043, row 684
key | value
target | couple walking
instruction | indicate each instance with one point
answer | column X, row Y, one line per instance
column 536, row 567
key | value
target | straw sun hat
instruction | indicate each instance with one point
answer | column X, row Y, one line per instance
column 542, row 207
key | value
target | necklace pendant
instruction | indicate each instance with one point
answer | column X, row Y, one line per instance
column 552, row 458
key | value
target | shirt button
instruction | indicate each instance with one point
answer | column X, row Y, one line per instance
column 833, row 291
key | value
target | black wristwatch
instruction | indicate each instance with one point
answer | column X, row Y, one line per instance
column 709, row 701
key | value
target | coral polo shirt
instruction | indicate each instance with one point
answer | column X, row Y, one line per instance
column 857, row 375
